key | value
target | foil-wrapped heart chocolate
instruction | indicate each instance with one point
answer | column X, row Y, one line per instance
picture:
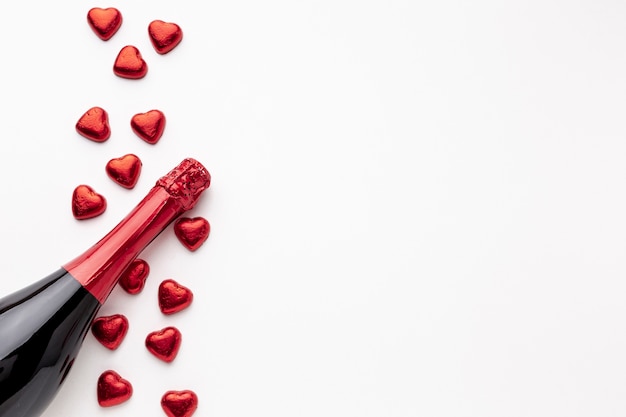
column 104, row 22
column 134, row 278
column 130, row 64
column 164, row 36
column 149, row 126
column 179, row 403
column 124, row 170
column 94, row 124
column 192, row 232
column 173, row 297
column 113, row 389
column 86, row 203
column 165, row 343
column 110, row 330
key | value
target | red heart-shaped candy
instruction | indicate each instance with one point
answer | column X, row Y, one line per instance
column 113, row 389
column 124, row 170
column 149, row 126
column 110, row 330
column 173, row 297
column 164, row 344
column 164, row 36
column 86, row 203
column 134, row 278
column 130, row 64
column 104, row 22
column 179, row 403
column 94, row 125
column 192, row 232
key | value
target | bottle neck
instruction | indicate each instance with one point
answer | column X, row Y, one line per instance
column 99, row 268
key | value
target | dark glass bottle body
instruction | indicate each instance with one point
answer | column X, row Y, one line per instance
column 42, row 328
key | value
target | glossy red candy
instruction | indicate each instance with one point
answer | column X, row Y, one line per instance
column 94, row 125
column 113, row 389
column 124, row 170
column 164, row 344
column 86, row 203
column 149, row 126
column 110, row 330
column 104, row 22
column 179, row 403
column 164, row 36
column 173, row 297
column 134, row 278
column 192, row 232
column 130, row 64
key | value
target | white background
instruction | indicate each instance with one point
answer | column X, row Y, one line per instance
column 418, row 207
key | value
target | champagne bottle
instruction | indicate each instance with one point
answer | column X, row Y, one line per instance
column 42, row 326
